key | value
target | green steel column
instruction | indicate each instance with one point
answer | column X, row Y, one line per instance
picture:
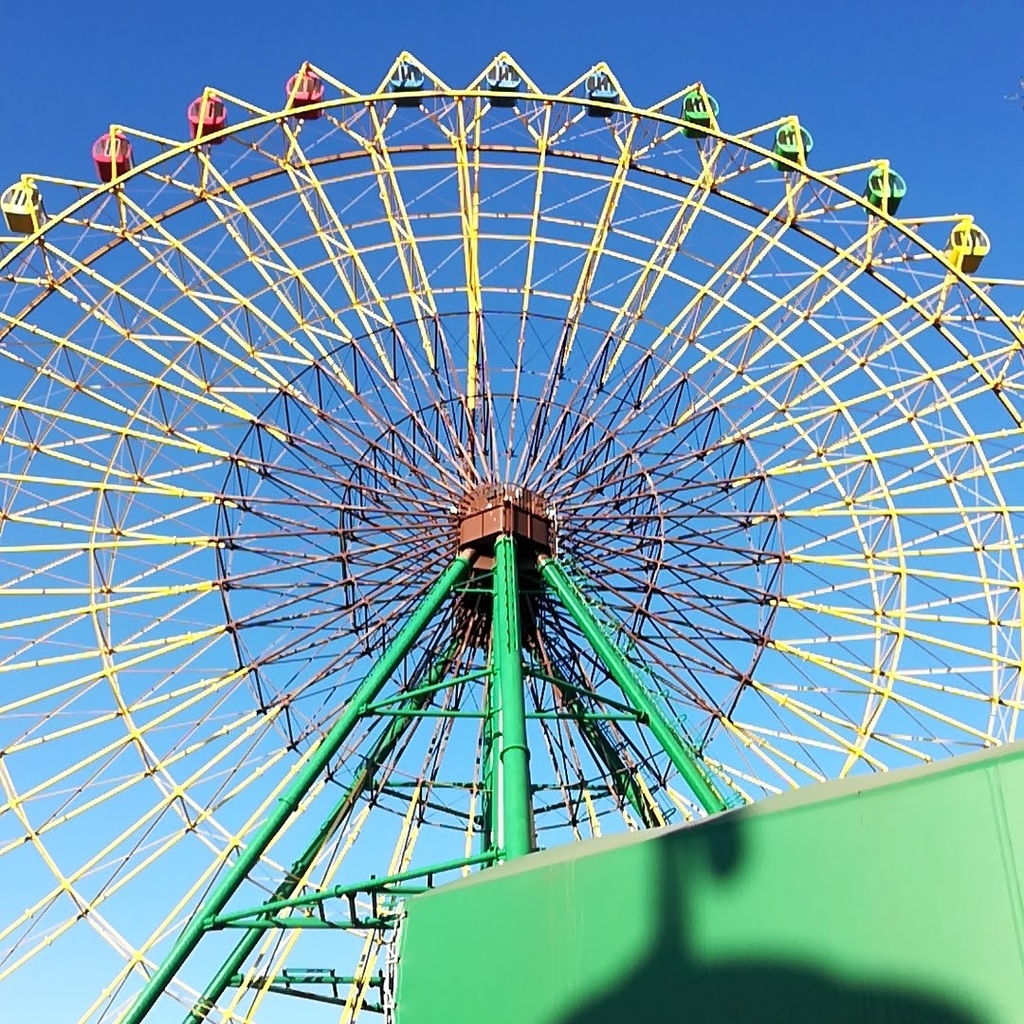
column 289, row 801
column 381, row 750
column 684, row 759
column 507, row 655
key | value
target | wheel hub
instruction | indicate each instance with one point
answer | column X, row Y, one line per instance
column 484, row 515
column 490, row 512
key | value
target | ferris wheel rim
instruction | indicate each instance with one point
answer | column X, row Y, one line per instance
column 847, row 735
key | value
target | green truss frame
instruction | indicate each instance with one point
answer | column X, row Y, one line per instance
column 508, row 810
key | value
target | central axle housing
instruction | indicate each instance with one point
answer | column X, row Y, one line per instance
column 490, row 512
column 484, row 515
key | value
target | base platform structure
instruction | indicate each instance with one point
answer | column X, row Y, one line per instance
column 891, row 898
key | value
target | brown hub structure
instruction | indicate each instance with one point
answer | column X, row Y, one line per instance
column 491, row 512
column 484, row 515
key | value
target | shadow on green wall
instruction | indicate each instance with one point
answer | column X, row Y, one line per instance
column 672, row 983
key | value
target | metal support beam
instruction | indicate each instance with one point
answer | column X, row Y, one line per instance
column 388, row 885
column 684, row 758
column 289, row 801
column 506, row 652
column 228, row 971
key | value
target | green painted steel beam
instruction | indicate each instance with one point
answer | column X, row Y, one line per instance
column 506, row 651
column 374, row 759
column 427, row 713
column 425, row 690
column 584, row 716
column 624, row 783
column 583, row 691
column 684, row 759
column 309, row 976
column 353, row 888
column 396, row 787
column 297, row 923
column 289, row 801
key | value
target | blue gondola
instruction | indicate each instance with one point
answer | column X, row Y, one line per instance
column 407, row 78
column 504, row 79
column 601, row 93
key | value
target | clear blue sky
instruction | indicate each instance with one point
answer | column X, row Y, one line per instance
column 921, row 81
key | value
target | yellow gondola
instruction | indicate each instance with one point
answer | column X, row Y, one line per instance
column 968, row 246
column 22, row 207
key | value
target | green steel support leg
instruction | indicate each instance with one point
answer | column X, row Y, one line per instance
column 228, row 971
column 684, row 759
column 507, row 656
column 289, row 801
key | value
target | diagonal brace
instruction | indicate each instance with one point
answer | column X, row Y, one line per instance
column 289, row 801
column 683, row 757
column 391, row 737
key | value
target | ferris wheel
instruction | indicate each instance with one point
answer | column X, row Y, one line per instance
column 395, row 484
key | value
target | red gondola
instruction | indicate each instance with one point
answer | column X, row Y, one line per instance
column 113, row 157
column 207, row 114
column 303, row 89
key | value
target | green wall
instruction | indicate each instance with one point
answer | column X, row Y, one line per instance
column 894, row 898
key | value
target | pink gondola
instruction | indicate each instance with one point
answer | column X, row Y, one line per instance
column 303, row 89
column 206, row 115
column 112, row 156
